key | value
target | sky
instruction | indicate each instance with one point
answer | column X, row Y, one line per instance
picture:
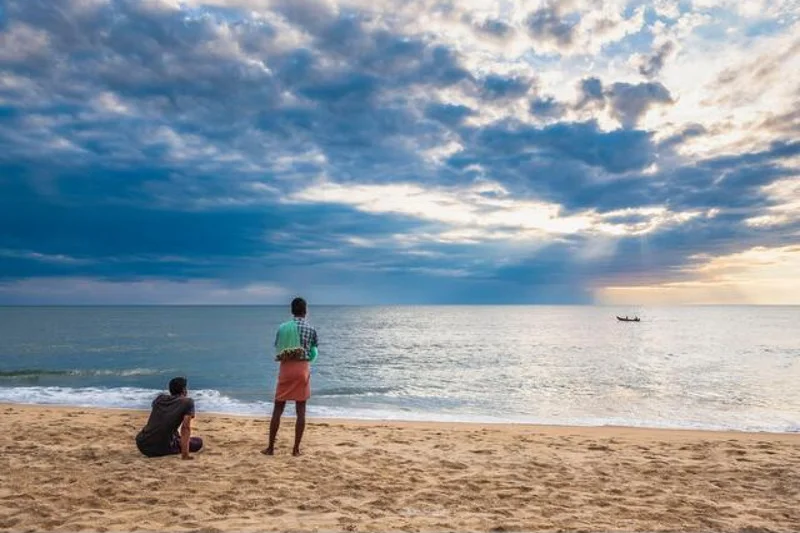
column 415, row 152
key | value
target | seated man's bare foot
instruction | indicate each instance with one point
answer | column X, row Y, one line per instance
column 268, row 451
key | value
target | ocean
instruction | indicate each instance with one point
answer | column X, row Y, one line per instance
column 680, row 367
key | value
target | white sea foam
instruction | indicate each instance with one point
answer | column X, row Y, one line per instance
column 212, row 401
column 122, row 398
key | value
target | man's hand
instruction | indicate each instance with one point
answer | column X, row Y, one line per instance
column 186, row 457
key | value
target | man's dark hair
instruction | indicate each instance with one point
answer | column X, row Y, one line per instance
column 177, row 386
column 299, row 307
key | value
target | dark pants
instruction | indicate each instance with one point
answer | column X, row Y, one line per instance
column 195, row 445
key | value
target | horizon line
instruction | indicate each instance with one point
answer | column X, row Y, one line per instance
column 312, row 305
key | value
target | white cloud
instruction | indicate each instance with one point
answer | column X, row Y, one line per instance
column 20, row 42
column 43, row 257
column 732, row 88
column 785, row 197
column 753, row 9
column 607, row 25
column 667, row 8
column 108, row 102
column 486, row 212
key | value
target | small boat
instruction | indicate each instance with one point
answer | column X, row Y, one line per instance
column 626, row 319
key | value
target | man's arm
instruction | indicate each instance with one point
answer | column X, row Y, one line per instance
column 186, row 434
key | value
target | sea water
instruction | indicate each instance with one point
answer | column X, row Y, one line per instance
column 680, row 367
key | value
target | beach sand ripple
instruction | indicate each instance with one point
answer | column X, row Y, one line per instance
column 67, row 469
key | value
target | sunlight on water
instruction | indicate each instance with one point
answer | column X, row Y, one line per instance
column 709, row 367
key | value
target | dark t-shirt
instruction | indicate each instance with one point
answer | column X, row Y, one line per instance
column 165, row 419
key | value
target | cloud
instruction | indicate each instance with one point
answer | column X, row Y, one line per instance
column 764, row 68
column 630, row 102
column 550, row 25
column 653, row 64
column 731, row 85
column 501, row 87
column 547, row 107
column 617, row 151
column 784, row 196
column 486, row 211
column 627, row 102
column 667, row 8
column 44, row 258
column 688, row 132
column 458, row 149
column 21, row 43
column 87, row 291
column 573, row 28
column 590, row 93
column 450, row 114
column 496, row 28
column 758, row 275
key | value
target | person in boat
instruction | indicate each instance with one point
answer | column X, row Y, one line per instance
column 296, row 347
column 169, row 412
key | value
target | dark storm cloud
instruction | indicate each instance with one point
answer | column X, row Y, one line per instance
column 144, row 141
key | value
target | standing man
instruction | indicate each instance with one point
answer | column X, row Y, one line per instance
column 170, row 411
column 295, row 348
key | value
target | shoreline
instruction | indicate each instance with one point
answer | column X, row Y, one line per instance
column 427, row 424
column 501, row 424
column 70, row 469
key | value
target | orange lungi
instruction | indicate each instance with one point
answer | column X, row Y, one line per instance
column 294, row 381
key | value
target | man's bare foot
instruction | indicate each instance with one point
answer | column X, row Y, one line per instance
column 268, row 451
column 296, row 452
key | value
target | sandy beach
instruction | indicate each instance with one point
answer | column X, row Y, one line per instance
column 71, row 469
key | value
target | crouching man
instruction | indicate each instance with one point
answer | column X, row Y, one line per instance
column 170, row 411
